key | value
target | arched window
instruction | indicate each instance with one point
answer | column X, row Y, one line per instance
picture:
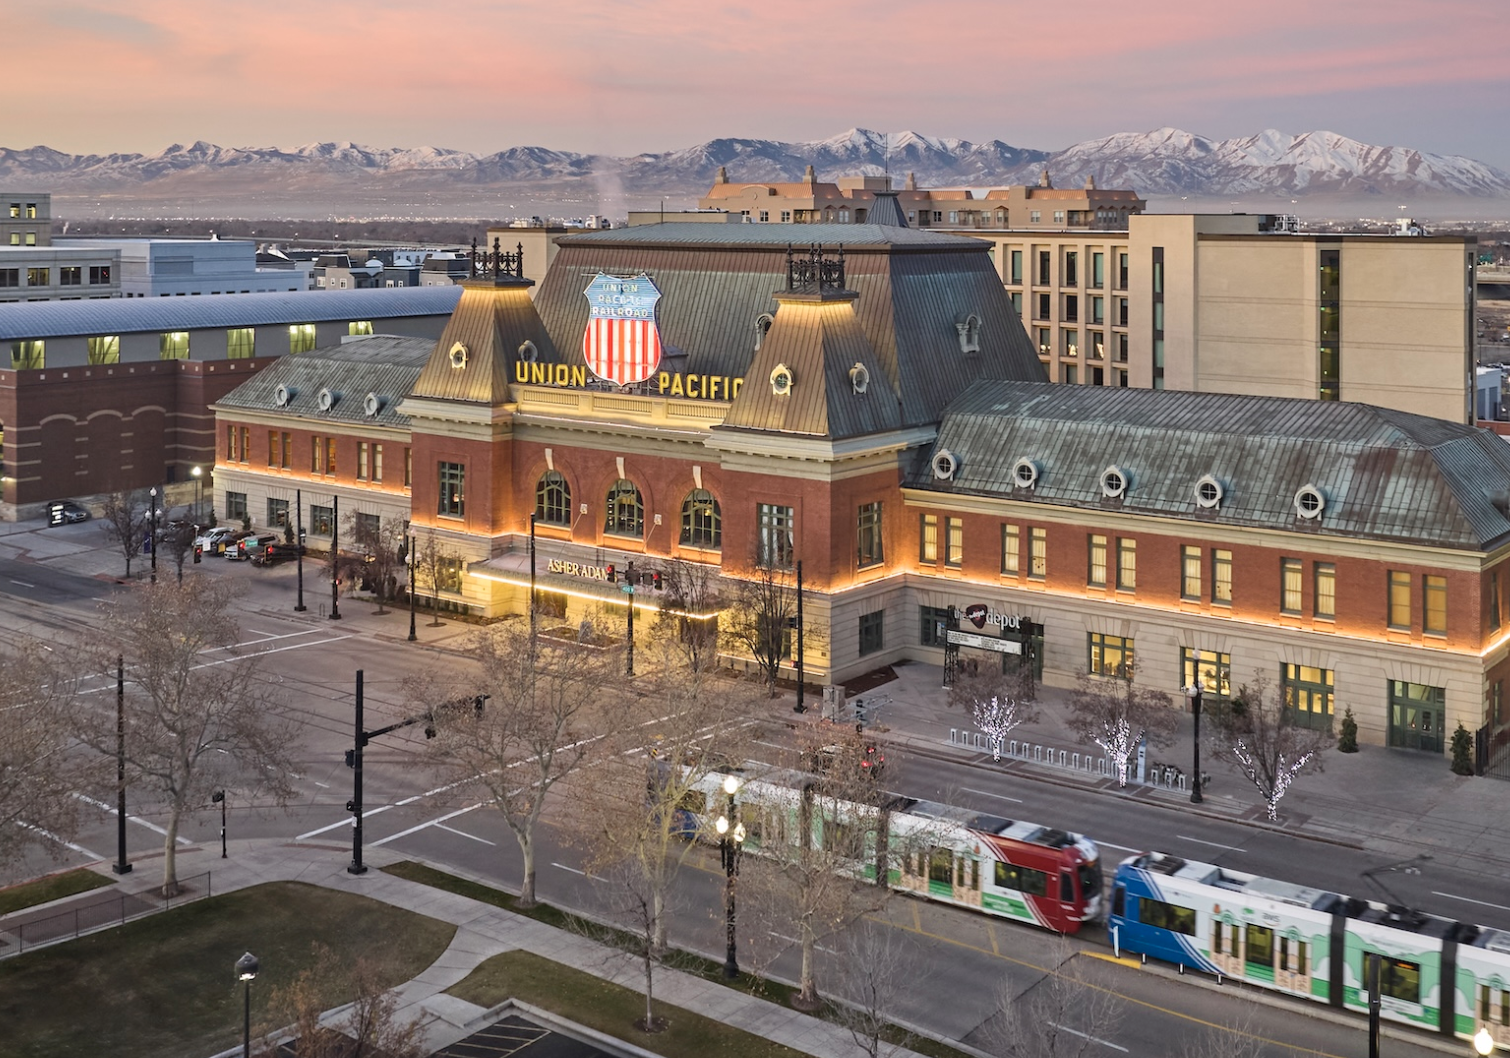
column 762, row 327
column 702, row 522
column 553, row 500
column 626, row 510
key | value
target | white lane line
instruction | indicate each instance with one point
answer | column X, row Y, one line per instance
column 131, row 818
column 342, row 823
column 1213, row 844
column 794, row 940
column 464, row 834
column 266, row 637
column 573, row 870
column 322, row 785
column 762, row 742
column 1110, row 845
column 1470, row 900
column 66, row 844
column 422, row 826
column 1092, row 1039
column 987, row 793
column 23, row 583
column 275, row 650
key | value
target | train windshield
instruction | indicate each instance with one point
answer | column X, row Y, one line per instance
column 1090, row 879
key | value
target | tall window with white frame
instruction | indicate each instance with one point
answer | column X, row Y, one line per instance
column 1127, row 564
column 1289, row 585
column 1011, row 555
column 1434, row 608
column 1190, row 572
column 870, row 550
column 553, row 499
column 453, row 490
column 626, row 510
column 1095, row 575
column 1399, row 600
column 928, row 539
column 774, row 543
column 1325, row 605
column 1221, row 577
column 954, row 553
column 1038, row 554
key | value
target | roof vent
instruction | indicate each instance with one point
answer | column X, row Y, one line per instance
column 859, row 378
column 945, row 464
column 371, row 404
column 1309, row 501
column 326, row 399
column 1025, row 473
column 1209, row 492
column 1114, row 483
column 282, row 395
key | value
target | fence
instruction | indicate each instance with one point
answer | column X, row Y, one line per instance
column 1098, row 767
column 19, row 933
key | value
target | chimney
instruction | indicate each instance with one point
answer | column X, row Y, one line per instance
column 722, row 177
column 808, row 177
column 1090, row 182
column 1043, row 179
column 912, row 182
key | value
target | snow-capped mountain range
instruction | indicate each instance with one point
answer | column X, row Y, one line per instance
column 1162, row 162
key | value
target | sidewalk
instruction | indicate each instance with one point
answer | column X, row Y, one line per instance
column 483, row 931
column 1395, row 802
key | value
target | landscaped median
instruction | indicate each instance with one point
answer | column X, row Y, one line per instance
column 53, row 887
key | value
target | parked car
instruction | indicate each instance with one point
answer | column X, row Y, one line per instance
column 63, row 512
column 277, row 552
column 211, row 541
column 251, row 545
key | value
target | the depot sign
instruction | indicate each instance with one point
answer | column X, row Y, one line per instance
column 981, row 615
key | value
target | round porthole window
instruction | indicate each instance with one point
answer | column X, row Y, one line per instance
column 372, row 404
column 1309, row 502
column 945, row 463
column 326, row 400
column 458, row 355
column 1208, row 492
column 859, row 378
column 781, row 380
column 528, row 353
column 1025, row 473
column 1113, row 482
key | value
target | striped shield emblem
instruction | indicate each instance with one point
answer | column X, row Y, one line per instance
column 622, row 343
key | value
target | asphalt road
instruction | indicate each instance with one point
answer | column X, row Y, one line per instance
column 964, row 967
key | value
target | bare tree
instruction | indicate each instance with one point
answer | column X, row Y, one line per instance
column 536, row 727
column 1062, row 1015
column 1236, row 1037
column 1260, row 735
column 878, row 970
column 369, row 1025
column 998, row 702
column 759, row 621
column 177, row 541
column 1116, row 714
column 125, row 520
column 199, row 717
column 38, row 774
column 688, row 618
column 440, row 568
column 380, row 542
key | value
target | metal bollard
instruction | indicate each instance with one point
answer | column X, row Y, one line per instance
column 953, row 733
column 1062, row 758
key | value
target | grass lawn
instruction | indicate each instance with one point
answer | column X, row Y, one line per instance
column 609, row 1008
column 53, row 887
column 163, row 985
column 686, row 962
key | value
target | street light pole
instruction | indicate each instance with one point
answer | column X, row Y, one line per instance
column 413, row 543
column 246, row 972
column 731, row 836
column 1194, row 691
column 198, row 473
column 532, row 585
column 120, row 866
column 299, row 606
column 355, row 805
column 629, row 587
column 801, row 706
column 218, row 797
column 335, row 558
column 152, row 542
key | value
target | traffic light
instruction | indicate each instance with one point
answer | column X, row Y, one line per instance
column 351, row 806
column 198, row 551
column 351, row 758
column 657, row 580
column 612, row 576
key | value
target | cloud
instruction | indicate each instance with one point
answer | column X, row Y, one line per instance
column 108, row 24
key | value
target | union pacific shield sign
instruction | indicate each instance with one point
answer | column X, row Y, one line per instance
column 622, row 343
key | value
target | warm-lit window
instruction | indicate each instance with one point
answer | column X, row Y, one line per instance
column 553, row 499
column 1221, row 577
column 105, row 349
column 356, row 327
column 301, row 337
column 272, row 448
column 775, row 541
column 330, row 456
column 377, row 462
column 1038, row 553
column 240, row 343
column 244, row 452
column 1290, row 587
column 453, row 490
column 955, row 555
column 1096, row 562
column 1211, row 671
column 1435, row 588
column 1190, row 572
column 408, row 468
column 702, row 521
column 928, row 539
column 362, row 457
column 869, row 550
column 1110, row 655
column 1307, row 693
column 1399, row 600
column 173, row 345
column 626, row 510
column 322, row 520
column 1127, row 564
column 1010, row 549
column 1326, row 590
column 38, row 277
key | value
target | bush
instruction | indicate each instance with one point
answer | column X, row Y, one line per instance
column 1462, row 751
column 1347, row 740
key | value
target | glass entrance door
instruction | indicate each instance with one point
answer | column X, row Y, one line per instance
column 1416, row 719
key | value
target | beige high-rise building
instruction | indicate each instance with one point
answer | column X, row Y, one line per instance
column 1218, row 305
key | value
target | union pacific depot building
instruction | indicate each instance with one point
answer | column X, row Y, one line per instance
column 863, row 399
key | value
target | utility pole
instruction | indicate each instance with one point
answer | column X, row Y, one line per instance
column 120, row 866
column 355, row 804
column 335, row 558
column 299, row 606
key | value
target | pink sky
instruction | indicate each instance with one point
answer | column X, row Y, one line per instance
column 629, row 76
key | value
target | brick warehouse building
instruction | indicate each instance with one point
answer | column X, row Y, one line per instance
column 881, row 416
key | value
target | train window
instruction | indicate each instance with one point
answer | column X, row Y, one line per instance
column 1218, row 937
column 1090, row 880
column 941, row 866
column 959, row 872
column 1260, row 947
column 1023, row 879
column 1119, row 900
column 1487, row 1005
column 1292, row 955
column 975, row 875
column 1400, row 980
column 1066, row 887
column 1160, row 915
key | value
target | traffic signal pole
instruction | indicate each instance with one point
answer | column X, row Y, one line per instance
column 355, row 805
